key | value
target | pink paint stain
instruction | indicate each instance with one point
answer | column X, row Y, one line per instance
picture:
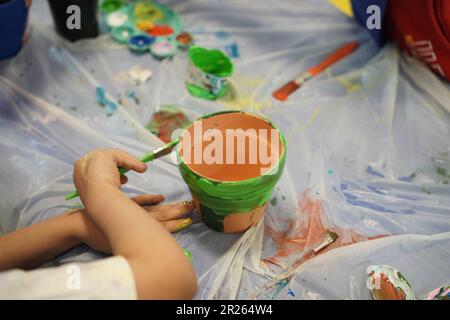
column 308, row 229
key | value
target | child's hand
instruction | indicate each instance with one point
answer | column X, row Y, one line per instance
column 99, row 169
column 170, row 216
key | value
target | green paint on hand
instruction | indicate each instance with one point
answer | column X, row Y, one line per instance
column 188, row 254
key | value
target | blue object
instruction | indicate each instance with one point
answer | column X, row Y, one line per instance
column 360, row 12
column 140, row 43
column 13, row 20
column 100, row 96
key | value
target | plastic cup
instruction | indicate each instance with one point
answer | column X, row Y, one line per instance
column 208, row 73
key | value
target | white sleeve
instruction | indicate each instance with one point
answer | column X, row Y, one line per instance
column 106, row 279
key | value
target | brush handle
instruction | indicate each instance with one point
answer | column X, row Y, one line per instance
column 285, row 91
column 337, row 55
column 145, row 158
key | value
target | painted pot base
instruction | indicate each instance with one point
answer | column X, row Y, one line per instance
column 232, row 223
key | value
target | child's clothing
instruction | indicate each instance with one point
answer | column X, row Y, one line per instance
column 109, row 278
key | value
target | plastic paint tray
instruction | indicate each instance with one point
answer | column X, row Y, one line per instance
column 125, row 29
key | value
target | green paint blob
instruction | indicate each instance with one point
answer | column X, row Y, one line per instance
column 208, row 73
column 109, row 6
column 219, row 199
column 213, row 62
column 188, row 254
column 442, row 171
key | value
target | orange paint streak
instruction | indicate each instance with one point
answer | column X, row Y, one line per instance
column 307, row 230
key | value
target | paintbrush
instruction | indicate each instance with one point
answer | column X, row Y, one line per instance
column 153, row 155
column 329, row 239
column 285, row 91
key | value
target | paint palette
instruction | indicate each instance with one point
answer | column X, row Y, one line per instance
column 144, row 26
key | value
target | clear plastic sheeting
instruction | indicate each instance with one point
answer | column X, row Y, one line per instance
column 368, row 146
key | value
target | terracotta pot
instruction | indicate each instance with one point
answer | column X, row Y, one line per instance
column 231, row 195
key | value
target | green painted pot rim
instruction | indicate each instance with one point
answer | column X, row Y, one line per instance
column 281, row 159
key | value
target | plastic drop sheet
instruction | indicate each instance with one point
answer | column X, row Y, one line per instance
column 368, row 146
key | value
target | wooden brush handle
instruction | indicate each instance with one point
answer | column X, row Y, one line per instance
column 337, row 55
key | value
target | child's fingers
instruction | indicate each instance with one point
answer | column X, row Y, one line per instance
column 127, row 161
column 177, row 225
column 171, row 211
column 123, row 179
column 148, row 199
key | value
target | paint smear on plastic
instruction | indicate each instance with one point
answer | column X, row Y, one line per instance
column 308, row 229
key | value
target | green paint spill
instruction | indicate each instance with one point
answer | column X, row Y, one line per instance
column 442, row 171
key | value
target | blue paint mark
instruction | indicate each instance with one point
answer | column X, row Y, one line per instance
column 372, row 171
column 281, row 284
column 102, row 100
column 232, row 50
column 291, row 293
column 408, row 197
column 376, row 190
column 407, row 178
column 222, row 34
column 131, row 94
column 408, row 211
column 356, row 202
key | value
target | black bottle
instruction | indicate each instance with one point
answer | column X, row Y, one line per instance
column 63, row 12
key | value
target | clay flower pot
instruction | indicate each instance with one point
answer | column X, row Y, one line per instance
column 231, row 194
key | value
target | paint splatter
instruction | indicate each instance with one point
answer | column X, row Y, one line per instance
column 102, row 100
column 274, row 201
column 308, row 228
column 188, row 254
column 166, row 121
column 442, row 293
column 291, row 293
column 280, row 286
column 372, row 171
column 241, row 95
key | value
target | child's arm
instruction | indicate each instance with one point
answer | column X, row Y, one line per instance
column 159, row 265
column 32, row 246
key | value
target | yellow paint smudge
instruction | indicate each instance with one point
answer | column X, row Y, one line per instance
column 241, row 95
